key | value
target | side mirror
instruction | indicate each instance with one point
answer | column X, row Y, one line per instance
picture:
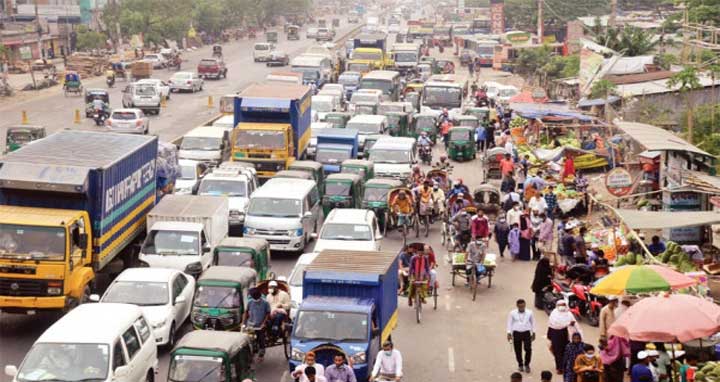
column 121, row 372
column 206, row 249
column 180, row 300
column 11, row 370
column 307, row 215
column 83, row 240
column 94, row 298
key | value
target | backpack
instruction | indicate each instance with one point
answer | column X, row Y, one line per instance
column 507, row 204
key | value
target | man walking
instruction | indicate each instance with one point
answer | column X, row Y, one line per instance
column 521, row 331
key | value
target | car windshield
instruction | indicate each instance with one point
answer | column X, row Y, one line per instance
column 137, row 293
column 188, row 172
column 260, row 139
column 190, row 368
column 171, row 242
column 442, row 96
column 385, row 108
column 65, row 362
column 352, row 232
column 234, row 258
column 331, row 156
column 365, row 109
column 331, row 326
column 216, row 297
column 124, row 115
column 349, row 80
column 145, row 90
column 507, row 92
column 322, row 106
column 425, row 123
column 385, row 86
column 32, row 242
column 370, row 56
column 459, row 135
column 337, row 121
column 275, row 207
column 358, row 67
column 390, row 156
column 486, row 50
column 406, row 57
column 375, row 194
column 262, row 47
column 181, row 76
column 200, row 143
column 337, row 188
column 208, row 63
column 223, row 187
column 366, row 128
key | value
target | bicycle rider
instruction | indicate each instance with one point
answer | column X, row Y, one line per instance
column 419, row 272
column 256, row 316
column 403, row 208
column 438, row 196
column 388, row 364
column 425, row 196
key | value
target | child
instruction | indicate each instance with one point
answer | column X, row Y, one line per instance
column 688, row 369
column 545, row 376
column 514, row 241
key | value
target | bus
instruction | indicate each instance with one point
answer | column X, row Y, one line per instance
column 439, row 95
column 385, row 80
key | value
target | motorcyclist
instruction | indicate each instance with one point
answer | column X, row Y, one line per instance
column 443, row 163
column 110, row 76
column 462, row 222
column 98, row 105
column 424, row 140
column 481, row 97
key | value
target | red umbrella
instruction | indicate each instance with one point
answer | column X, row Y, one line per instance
column 668, row 318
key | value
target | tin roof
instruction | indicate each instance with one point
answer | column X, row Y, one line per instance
column 353, row 261
column 275, row 91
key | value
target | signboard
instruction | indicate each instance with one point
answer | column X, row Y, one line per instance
column 618, row 182
column 590, row 64
column 681, row 201
column 25, row 52
column 518, row 37
column 497, row 18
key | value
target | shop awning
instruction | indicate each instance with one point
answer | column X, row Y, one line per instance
column 664, row 219
column 654, row 138
column 540, row 111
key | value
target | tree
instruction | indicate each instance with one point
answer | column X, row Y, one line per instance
column 602, row 89
column 522, row 14
column 630, row 41
column 703, row 11
column 88, row 39
column 666, row 60
column 157, row 20
column 686, row 80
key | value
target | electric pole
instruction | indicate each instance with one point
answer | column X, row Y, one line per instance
column 540, row 30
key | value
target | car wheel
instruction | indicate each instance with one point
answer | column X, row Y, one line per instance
column 150, row 377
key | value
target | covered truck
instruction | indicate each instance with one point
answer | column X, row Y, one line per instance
column 349, row 306
column 272, row 126
column 183, row 231
column 71, row 204
column 370, row 52
column 334, row 146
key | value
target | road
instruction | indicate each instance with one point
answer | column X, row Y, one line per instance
column 461, row 341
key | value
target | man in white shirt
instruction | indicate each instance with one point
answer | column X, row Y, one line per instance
column 521, row 331
column 538, row 203
column 388, row 363
column 513, row 216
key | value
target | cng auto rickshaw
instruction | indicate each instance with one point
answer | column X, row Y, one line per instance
column 375, row 198
column 342, row 190
column 398, row 124
column 90, row 96
column 414, row 99
column 294, row 174
column 250, row 252
column 425, row 123
column 219, row 301
column 461, row 143
column 72, row 83
column 315, row 168
column 364, row 168
column 338, row 119
column 369, row 142
column 481, row 113
column 466, row 121
column 293, row 32
column 19, row 136
column 271, row 37
column 207, row 355
column 487, row 199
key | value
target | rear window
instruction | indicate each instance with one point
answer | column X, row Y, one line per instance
column 124, row 115
column 145, row 90
column 208, row 62
column 262, row 47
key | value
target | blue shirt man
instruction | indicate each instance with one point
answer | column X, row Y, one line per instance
column 656, row 247
column 641, row 371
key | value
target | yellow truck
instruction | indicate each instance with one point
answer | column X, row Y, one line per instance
column 370, row 53
column 272, row 126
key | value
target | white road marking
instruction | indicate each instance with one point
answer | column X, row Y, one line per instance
column 451, row 360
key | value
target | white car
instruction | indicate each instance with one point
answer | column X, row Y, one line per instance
column 296, row 280
column 131, row 121
column 394, row 28
column 349, row 229
column 162, row 86
column 164, row 295
column 157, row 60
column 191, row 172
column 188, row 81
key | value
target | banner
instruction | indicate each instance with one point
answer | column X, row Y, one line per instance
column 590, row 64
column 497, row 18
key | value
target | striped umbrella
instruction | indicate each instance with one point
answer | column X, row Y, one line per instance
column 633, row 279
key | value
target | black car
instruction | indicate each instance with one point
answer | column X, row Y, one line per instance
column 278, row 59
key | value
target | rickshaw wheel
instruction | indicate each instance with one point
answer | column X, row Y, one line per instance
column 443, row 234
column 473, row 283
column 286, row 345
column 454, row 273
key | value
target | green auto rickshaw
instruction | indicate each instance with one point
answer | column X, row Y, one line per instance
column 369, row 142
column 207, row 355
column 467, row 121
column 461, row 143
column 364, row 168
column 338, row 119
column 481, row 113
column 425, row 122
column 294, row 174
column 20, row 135
column 398, row 124
column 375, row 198
column 247, row 252
column 271, row 37
column 219, row 297
column 293, row 32
column 365, row 108
column 342, row 190
column 315, row 168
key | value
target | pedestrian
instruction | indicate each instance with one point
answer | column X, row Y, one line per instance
column 538, row 203
column 572, row 351
column 581, row 255
column 568, row 167
column 339, row 371
column 514, row 242
column 501, row 231
column 479, row 226
column 535, row 221
column 546, row 376
column 688, row 368
column 507, row 166
column 480, row 138
column 641, row 371
column 388, row 363
column 664, row 362
column 525, row 165
column 508, row 184
column 625, row 304
column 656, row 246
column 542, row 280
column 490, row 134
column 521, row 331
column 511, row 197
column 589, row 367
column 300, row 370
column 513, row 216
column 515, row 377
column 614, row 351
column 311, row 374
column 560, row 324
column 551, row 201
column 545, row 235
column 607, row 315
column 471, row 69
column 445, row 131
column 526, row 235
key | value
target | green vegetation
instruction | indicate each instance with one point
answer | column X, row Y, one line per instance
column 629, row 41
column 88, row 39
column 542, row 66
column 704, row 11
column 686, row 80
column 602, row 89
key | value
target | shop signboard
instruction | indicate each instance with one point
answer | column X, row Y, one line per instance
column 618, row 182
column 25, row 52
column 497, row 17
column 682, row 201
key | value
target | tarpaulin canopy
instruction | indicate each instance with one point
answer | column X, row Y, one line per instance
column 665, row 219
column 597, row 101
column 526, row 97
column 539, row 111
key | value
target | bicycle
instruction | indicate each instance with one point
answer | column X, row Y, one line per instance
column 408, row 222
column 418, row 300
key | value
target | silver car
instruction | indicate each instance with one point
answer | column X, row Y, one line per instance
column 132, row 121
column 188, row 81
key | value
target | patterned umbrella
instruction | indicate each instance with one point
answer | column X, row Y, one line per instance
column 632, row 279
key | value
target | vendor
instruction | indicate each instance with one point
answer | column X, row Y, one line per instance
column 656, row 247
column 568, row 167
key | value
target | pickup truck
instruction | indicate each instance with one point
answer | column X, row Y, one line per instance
column 212, row 68
column 334, row 146
column 349, row 306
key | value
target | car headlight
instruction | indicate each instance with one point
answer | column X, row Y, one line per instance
column 54, row 291
column 359, row 357
column 297, row 355
column 248, row 231
column 295, row 232
column 159, row 324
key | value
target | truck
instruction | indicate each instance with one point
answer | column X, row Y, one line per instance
column 370, row 53
column 349, row 306
column 73, row 206
column 183, row 231
column 406, row 56
column 272, row 126
column 334, row 146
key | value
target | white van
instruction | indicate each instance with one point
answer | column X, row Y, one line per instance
column 262, row 50
column 309, row 65
column 349, row 229
column 285, row 212
column 367, row 124
column 321, row 105
column 99, row 342
column 235, row 185
column 393, row 157
column 206, row 144
column 296, row 281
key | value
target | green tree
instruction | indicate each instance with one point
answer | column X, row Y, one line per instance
column 602, row 88
column 522, row 14
column 703, row 11
column 630, row 41
column 685, row 81
column 157, row 20
column 705, row 133
column 665, row 60
column 88, row 39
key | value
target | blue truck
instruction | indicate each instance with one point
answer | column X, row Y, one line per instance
column 334, row 146
column 72, row 205
column 272, row 126
column 349, row 306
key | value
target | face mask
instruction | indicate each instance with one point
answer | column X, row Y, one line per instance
column 590, row 355
column 271, row 290
column 388, row 352
column 563, row 308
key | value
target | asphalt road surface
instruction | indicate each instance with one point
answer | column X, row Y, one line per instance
column 461, row 341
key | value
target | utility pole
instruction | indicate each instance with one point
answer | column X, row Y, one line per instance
column 540, row 29
column 613, row 14
column 38, row 29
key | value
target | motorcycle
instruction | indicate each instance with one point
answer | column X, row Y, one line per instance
column 582, row 303
column 110, row 81
column 100, row 116
column 425, row 152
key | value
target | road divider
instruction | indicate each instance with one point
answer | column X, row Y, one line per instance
column 24, row 119
column 210, row 102
column 77, row 117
